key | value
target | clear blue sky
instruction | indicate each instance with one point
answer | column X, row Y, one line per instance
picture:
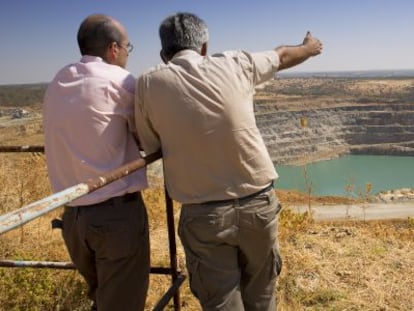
column 38, row 37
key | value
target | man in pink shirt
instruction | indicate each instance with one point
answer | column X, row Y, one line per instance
column 90, row 129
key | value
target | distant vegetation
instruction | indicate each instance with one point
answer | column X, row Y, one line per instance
column 21, row 94
column 330, row 84
column 367, row 74
column 374, row 89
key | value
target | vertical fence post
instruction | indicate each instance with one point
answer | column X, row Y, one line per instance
column 172, row 245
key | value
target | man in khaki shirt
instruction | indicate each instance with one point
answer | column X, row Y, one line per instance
column 199, row 110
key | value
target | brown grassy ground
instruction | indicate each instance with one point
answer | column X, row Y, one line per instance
column 327, row 266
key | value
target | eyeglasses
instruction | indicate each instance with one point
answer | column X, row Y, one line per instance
column 129, row 47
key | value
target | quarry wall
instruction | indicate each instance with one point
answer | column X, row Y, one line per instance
column 299, row 129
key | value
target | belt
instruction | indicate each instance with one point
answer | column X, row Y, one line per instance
column 128, row 197
column 236, row 200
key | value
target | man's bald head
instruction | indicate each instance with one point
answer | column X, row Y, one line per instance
column 97, row 32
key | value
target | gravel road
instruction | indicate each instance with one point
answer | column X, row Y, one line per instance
column 363, row 211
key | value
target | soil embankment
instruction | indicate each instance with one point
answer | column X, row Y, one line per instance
column 307, row 120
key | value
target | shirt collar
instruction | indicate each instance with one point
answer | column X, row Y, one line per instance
column 185, row 54
column 90, row 58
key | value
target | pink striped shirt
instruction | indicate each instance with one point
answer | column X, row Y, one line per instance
column 90, row 129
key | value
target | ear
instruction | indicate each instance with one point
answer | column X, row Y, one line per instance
column 112, row 52
column 203, row 51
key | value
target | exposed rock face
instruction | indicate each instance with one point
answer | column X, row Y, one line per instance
column 398, row 195
column 305, row 120
column 19, row 113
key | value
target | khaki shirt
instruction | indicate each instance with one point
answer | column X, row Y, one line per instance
column 199, row 110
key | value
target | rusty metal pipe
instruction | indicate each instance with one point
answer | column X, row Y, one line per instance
column 36, row 209
column 62, row 265
column 25, row 214
column 172, row 291
column 25, row 148
column 37, row 264
column 173, row 247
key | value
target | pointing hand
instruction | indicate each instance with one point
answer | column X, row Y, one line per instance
column 312, row 44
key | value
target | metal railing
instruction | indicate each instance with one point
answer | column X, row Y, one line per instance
column 36, row 209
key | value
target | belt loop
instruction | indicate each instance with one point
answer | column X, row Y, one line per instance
column 72, row 210
column 77, row 211
column 268, row 199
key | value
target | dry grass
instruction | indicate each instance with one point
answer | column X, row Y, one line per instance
column 348, row 266
column 327, row 266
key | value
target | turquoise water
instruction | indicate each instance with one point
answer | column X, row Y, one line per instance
column 349, row 175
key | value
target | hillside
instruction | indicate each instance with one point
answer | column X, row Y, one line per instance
column 301, row 119
column 311, row 119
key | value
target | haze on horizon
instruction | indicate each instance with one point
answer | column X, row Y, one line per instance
column 39, row 37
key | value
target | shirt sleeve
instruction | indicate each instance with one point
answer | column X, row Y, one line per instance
column 129, row 86
column 148, row 137
column 265, row 65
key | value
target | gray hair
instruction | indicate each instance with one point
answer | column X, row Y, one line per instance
column 182, row 31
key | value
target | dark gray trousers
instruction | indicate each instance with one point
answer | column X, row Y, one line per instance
column 109, row 244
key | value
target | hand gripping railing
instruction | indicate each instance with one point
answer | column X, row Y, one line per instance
column 36, row 209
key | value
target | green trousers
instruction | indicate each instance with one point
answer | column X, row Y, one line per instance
column 232, row 252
